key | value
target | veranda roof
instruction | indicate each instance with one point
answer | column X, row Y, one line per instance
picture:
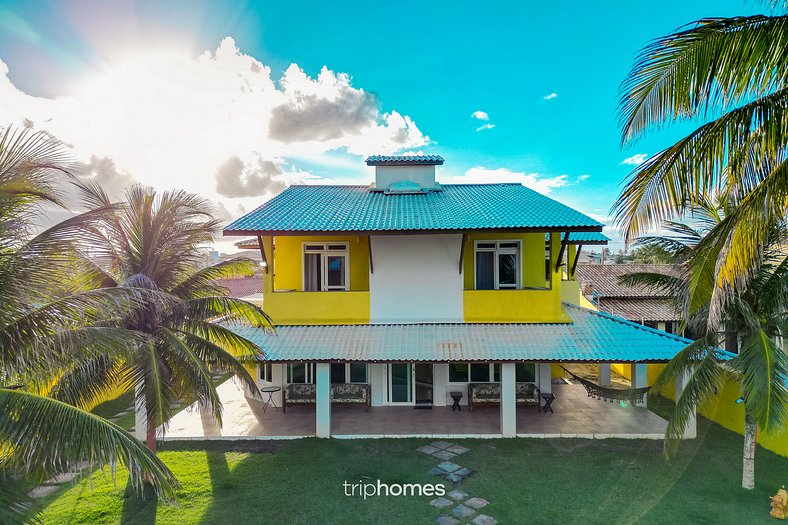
column 591, row 337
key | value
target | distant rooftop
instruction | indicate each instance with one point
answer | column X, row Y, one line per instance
column 404, row 160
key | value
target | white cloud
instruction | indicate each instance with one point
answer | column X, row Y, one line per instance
column 480, row 115
column 535, row 181
column 217, row 124
column 583, row 177
column 635, row 160
column 551, row 96
column 485, row 126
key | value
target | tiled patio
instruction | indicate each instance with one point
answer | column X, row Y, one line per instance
column 575, row 415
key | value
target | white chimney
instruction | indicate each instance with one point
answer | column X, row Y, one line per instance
column 405, row 173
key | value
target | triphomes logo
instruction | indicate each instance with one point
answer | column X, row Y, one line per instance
column 368, row 490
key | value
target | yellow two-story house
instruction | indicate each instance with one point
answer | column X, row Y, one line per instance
column 418, row 291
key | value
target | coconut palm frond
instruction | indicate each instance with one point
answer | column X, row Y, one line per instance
column 764, row 369
column 47, row 434
column 203, row 283
column 715, row 62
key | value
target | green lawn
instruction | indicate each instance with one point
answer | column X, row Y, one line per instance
column 526, row 480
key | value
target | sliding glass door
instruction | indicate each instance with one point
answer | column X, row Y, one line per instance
column 400, row 383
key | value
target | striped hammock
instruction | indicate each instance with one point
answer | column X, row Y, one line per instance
column 633, row 395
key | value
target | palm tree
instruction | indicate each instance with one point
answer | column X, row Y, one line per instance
column 45, row 326
column 756, row 318
column 731, row 74
column 155, row 242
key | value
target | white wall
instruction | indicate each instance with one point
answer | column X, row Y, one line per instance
column 386, row 175
column 415, row 279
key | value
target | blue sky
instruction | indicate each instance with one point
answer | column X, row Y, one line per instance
column 545, row 74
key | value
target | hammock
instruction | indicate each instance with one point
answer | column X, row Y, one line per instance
column 633, row 395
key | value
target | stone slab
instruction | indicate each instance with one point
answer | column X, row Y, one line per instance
column 477, row 503
column 441, row 503
column 446, row 520
column 448, row 466
column 427, row 449
column 444, row 454
column 457, row 495
column 483, row 519
column 442, row 444
column 461, row 511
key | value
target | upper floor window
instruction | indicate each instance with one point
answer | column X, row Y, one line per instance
column 326, row 267
column 497, row 265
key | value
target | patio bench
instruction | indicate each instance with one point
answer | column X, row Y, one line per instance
column 490, row 394
column 341, row 394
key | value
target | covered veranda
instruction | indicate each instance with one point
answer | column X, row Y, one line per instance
column 574, row 415
column 591, row 337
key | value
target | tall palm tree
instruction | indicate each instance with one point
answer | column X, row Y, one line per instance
column 732, row 75
column 44, row 326
column 155, row 241
column 756, row 319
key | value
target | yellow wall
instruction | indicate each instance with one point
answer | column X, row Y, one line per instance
column 724, row 410
column 287, row 303
column 512, row 306
column 537, row 305
column 289, row 261
column 532, row 248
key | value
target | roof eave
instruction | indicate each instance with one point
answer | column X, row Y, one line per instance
column 302, row 233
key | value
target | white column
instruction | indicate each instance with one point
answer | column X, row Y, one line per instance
column 323, row 400
column 604, row 374
column 639, row 379
column 691, row 430
column 544, row 376
column 508, row 401
column 140, row 415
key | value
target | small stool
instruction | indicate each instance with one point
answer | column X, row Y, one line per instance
column 548, row 401
column 456, row 396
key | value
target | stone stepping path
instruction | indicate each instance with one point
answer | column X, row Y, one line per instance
column 460, row 508
column 51, row 485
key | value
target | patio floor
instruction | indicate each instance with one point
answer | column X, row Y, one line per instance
column 576, row 415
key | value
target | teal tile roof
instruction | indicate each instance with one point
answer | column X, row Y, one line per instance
column 399, row 160
column 458, row 207
column 591, row 337
column 586, row 238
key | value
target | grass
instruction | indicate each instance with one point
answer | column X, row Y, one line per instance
column 540, row 481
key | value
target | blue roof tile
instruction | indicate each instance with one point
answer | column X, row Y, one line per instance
column 398, row 160
column 592, row 337
column 457, row 207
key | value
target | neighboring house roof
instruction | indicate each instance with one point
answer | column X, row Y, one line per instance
column 248, row 244
column 640, row 309
column 458, row 207
column 603, row 279
column 593, row 336
column 399, row 160
column 600, row 284
column 242, row 286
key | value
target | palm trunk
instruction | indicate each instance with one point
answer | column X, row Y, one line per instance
column 150, row 437
column 748, row 466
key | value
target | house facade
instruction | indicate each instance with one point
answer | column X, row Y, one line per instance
column 419, row 291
